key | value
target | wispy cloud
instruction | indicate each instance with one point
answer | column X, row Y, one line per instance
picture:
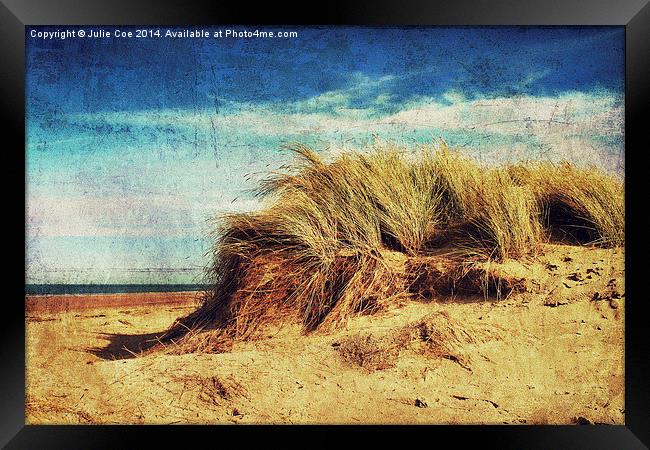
column 560, row 123
column 129, row 216
column 600, row 112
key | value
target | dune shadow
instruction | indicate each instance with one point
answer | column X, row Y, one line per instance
column 459, row 298
column 125, row 346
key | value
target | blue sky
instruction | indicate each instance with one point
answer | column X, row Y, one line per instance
column 134, row 144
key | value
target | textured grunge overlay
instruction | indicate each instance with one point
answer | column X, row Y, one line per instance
column 133, row 144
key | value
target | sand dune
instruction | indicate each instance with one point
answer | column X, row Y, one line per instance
column 552, row 353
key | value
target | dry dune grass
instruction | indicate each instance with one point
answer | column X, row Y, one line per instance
column 435, row 334
column 344, row 237
column 589, row 205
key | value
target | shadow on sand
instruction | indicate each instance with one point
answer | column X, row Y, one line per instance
column 125, row 346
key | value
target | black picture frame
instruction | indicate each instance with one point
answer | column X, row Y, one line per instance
column 633, row 14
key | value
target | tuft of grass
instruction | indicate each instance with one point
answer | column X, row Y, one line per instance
column 339, row 238
column 585, row 204
column 500, row 218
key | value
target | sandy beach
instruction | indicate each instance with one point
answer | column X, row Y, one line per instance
column 39, row 304
column 553, row 355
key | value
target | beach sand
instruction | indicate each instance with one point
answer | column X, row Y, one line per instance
column 553, row 355
column 39, row 304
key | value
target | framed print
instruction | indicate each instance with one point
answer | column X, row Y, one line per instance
column 410, row 216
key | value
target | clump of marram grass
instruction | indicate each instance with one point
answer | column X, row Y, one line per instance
column 499, row 217
column 339, row 238
column 583, row 204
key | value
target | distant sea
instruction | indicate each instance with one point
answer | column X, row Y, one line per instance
column 54, row 289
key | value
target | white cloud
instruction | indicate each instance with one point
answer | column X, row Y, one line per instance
column 129, row 216
column 571, row 114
